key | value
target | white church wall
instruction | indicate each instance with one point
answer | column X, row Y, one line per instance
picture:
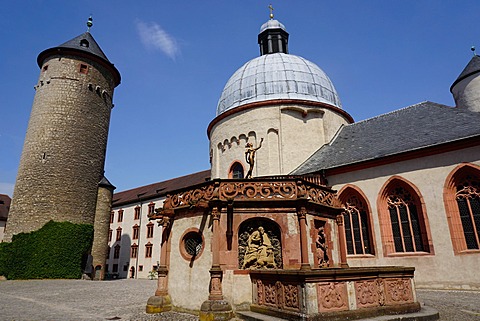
column 428, row 174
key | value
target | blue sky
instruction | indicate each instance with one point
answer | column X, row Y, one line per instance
column 176, row 56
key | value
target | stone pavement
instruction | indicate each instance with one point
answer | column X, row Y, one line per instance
column 126, row 299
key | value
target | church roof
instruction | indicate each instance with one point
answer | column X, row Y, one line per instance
column 159, row 189
column 412, row 128
column 277, row 76
column 472, row 68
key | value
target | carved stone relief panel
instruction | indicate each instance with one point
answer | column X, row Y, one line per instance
column 278, row 295
column 259, row 245
column 332, row 296
column 398, row 291
column 367, row 293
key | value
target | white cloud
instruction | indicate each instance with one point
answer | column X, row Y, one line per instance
column 6, row 188
column 154, row 36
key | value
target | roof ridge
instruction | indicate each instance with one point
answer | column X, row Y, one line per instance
column 397, row 111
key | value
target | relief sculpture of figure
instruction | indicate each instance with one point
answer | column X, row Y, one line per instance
column 321, row 245
column 250, row 157
column 259, row 252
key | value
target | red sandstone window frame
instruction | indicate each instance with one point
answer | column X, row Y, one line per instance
column 134, row 251
column 151, row 208
column 148, row 250
column 150, row 230
column 135, row 232
column 119, row 234
column 137, row 213
column 452, row 210
column 110, row 234
column 234, row 170
column 112, row 214
column 83, row 68
column 345, row 194
column 182, row 246
column 386, row 223
column 120, row 216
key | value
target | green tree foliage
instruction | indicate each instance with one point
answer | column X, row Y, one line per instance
column 57, row 251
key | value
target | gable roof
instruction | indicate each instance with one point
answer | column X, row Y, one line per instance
column 159, row 189
column 412, row 128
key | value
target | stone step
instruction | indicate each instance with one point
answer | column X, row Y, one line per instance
column 254, row 316
column 425, row 314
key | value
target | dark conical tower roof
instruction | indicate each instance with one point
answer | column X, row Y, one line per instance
column 82, row 45
column 473, row 67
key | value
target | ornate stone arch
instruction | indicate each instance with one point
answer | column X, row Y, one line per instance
column 259, row 244
column 461, row 196
column 403, row 218
column 358, row 221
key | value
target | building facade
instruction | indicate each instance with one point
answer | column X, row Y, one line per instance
column 408, row 180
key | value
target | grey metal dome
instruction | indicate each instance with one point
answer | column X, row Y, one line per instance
column 277, row 76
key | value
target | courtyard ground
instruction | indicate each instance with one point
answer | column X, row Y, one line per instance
column 126, row 299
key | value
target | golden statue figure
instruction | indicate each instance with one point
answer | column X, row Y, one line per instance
column 259, row 252
column 250, row 157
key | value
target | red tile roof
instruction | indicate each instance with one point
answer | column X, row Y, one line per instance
column 155, row 190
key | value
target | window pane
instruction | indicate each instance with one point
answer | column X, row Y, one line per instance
column 365, row 236
column 356, row 233
column 407, row 236
column 467, row 224
column 397, row 238
column 417, row 233
column 348, row 233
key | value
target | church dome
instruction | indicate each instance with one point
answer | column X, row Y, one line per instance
column 277, row 76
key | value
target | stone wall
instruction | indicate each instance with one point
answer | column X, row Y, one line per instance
column 64, row 151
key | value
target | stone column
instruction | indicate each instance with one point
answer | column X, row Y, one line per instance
column 161, row 301
column 342, row 241
column 302, row 222
column 216, row 308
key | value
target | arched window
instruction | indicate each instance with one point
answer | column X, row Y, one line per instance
column 236, row 171
column 462, row 200
column 357, row 223
column 403, row 220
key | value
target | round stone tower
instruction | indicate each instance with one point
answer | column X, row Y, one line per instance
column 466, row 88
column 63, row 155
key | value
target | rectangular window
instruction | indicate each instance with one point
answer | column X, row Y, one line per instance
column 110, row 232
column 140, row 268
column 115, row 268
column 120, row 215
column 150, row 230
column 148, row 250
column 151, row 208
column 135, row 233
column 112, row 214
column 116, row 252
column 119, row 234
column 83, row 69
column 134, row 252
column 137, row 213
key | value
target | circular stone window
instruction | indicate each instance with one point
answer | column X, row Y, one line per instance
column 192, row 245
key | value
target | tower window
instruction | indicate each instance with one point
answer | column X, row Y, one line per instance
column 84, row 43
column 83, row 69
column 236, row 171
column 45, row 68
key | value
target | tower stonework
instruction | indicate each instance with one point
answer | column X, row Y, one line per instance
column 63, row 155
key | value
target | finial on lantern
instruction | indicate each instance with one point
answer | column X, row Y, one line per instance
column 271, row 11
column 89, row 23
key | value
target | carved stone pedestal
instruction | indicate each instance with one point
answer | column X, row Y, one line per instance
column 161, row 301
column 216, row 310
column 159, row 304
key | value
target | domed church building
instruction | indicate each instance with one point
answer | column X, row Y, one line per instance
column 304, row 212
